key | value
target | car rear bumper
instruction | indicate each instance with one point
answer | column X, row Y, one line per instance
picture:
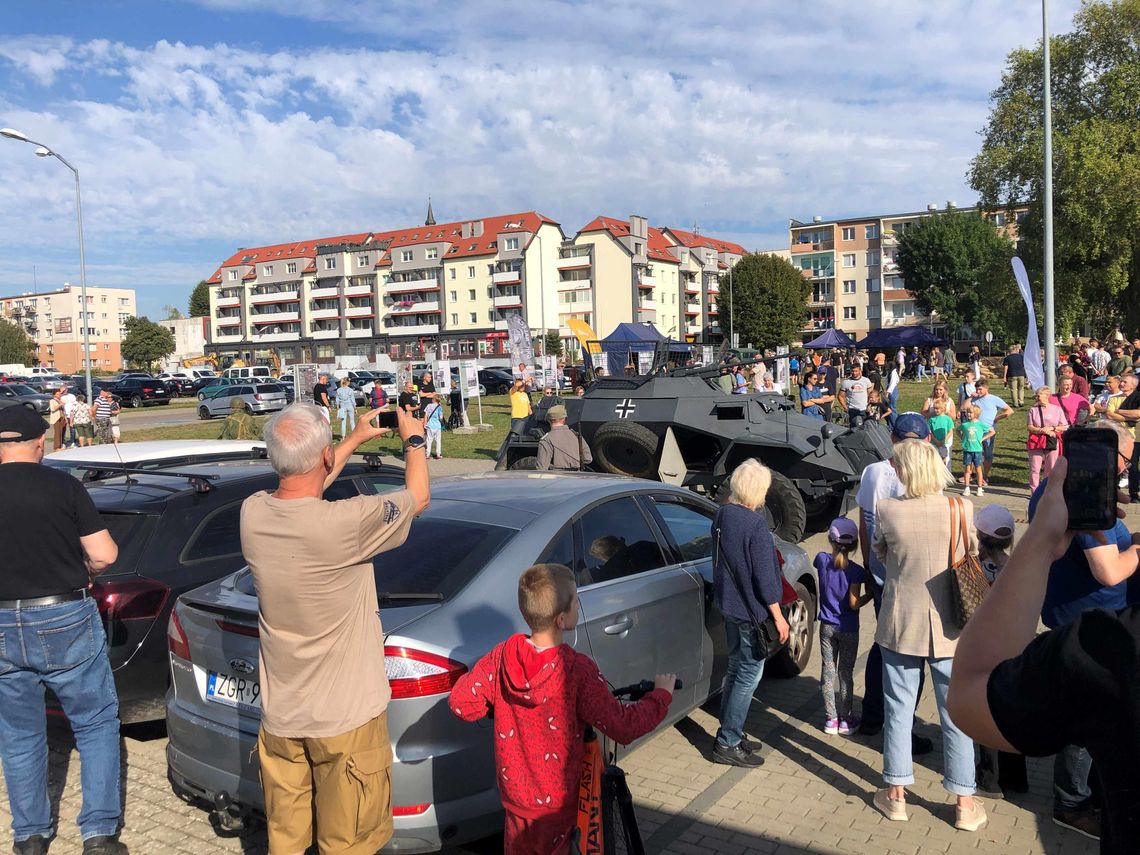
column 198, row 748
column 266, row 406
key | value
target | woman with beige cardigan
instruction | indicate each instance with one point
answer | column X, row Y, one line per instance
column 917, row 626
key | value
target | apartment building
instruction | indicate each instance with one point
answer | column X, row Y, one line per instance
column 446, row 289
column 852, row 264
column 55, row 320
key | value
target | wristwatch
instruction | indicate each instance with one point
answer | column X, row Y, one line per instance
column 415, row 442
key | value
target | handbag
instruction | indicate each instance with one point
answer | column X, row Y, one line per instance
column 967, row 579
column 765, row 634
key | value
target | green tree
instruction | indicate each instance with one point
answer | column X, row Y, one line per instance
column 957, row 264
column 200, row 300
column 15, row 346
column 146, row 342
column 172, row 313
column 768, row 296
column 553, row 343
column 1095, row 84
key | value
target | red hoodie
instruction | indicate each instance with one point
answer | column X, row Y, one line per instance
column 542, row 702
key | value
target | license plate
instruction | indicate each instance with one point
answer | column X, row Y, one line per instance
column 240, row 692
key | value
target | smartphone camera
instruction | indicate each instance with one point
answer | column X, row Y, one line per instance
column 1090, row 485
column 386, row 419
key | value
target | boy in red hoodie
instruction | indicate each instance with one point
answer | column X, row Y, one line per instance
column 543, row 693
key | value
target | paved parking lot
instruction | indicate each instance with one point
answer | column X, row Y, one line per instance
column 812, row 794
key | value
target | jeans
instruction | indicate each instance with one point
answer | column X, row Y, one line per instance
column 921, row 371
column 740, row 681
column 900, row 686
column 518, row 426
column 62, row 648
column 893, row 403
column 1071, row 769
column 873, row 674
column 347, row 417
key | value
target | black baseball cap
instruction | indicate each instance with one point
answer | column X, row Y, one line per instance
column 19, row 424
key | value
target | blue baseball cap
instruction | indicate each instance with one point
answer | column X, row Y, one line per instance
column 910, row 426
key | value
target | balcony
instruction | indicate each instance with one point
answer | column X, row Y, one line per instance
column 646, row 281
column 890, row 265
column 411, row 308
column 712, row 310
column 416, row 329
column 508, row 301
column 431, row 284
column 324, row 293
column 692, row 329
column 509, row 277
column 643, row 315
column 575, row 285
column 320, row 334
column 692, row 308
column 822, row 246
column 227, row 334
column 692, row 288
column 231, row 321
column 574, row 262
column 358, row 332
column 714, row 289
column 275, row 317
column 323, row 314
column 227, row 302
column 897, row 294
column 647, row 305
column 281, row 336
column 358, row 290
column 502, row 325
column 890, row 239
column 359, row 312
column 276, row 297
column 713, row 329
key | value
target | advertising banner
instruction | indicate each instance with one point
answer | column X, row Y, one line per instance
column 442, row 376
column 471, row 379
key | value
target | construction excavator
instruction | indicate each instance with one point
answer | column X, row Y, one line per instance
column 208, row 359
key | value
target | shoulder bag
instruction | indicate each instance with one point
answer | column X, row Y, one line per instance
column 1040, row 441
column 765, row 634
column 967, row 579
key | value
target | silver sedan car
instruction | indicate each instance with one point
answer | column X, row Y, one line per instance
column 642, row 554
column 258, row 397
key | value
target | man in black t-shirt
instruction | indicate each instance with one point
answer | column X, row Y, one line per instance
column 409, row 401
column 54, row 639
column 427, row 390
column 321, row 395
column 1016, row 691
column 1013, row 373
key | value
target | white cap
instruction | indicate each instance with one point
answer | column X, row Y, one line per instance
column 994, row 520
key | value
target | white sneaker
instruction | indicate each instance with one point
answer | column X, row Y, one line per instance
column 981, row 492
column 966, row 492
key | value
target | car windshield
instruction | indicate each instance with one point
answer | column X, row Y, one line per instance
column 20, row 389
column 129, row 531
column 269, row 388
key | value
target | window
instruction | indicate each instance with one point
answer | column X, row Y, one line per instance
column 872, row 284
column 474, row 318
column 872, row 232
column 999, row 220
column 561, row 550
column 267, row 270
column 902, row 309
column 406, row 255
column 637, row 248
column 848, row 259
column 233, row 275
column 330, row 263
column 451, row 273
column 848, row 313
column 471, row 272
column 848, row 286
column 689, row 527
column 218, row 536
column 872, row 312
column 872, row 258
column 453, row 296
column 849, row 233
column 1020, row 216
column 617, row 542
column 291, row 267
column 431, row 252
column 362, row 261
column 471, row 294
column 454, row 317
column 511, row 243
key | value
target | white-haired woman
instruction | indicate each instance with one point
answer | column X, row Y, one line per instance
column 917, row 626
column 744, row 550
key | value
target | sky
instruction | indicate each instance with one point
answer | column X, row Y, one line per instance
column 201, row 126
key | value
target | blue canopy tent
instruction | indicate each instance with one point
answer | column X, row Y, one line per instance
column 627, row 340
column 832, row 339
column 891, row 337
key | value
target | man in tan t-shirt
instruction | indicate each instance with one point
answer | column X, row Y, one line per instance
column 324, row 692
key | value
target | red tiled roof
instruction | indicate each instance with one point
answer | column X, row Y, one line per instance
column 657, row 245
column 690, row 239
column 216, row 278
column 287, row 251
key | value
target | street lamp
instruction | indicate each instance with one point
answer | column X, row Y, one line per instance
column 43, row 151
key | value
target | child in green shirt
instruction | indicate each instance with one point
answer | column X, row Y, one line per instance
column 941, row 431
column 974, row 433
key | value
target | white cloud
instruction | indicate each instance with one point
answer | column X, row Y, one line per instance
column 745, row 118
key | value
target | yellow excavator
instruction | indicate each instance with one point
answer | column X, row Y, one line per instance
column 209, row 358
column 275, row 359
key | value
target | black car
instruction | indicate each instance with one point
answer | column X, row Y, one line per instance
column 497, row 381
column 138, row 391
column 19, row 393
column 176, row 530
column 286, row 382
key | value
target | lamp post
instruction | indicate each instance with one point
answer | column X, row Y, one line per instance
column 1047, row 194
column 43, row 151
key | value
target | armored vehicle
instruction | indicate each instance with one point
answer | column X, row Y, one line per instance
column 680, row 427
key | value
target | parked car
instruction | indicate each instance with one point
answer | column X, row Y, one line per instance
column 138, row 391
column 22, row 394
column 84, row 462
column 179, row 384
column 497, row 381
column 176, row 529
column 444, row 603
column 210, row 386
column 259, row 398
column 248, row 373
column 286, row 382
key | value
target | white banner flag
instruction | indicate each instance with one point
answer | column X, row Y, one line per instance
column 1033, row 370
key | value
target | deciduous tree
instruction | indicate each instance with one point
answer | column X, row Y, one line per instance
column 146, row 342
column 768, row 298
column 15, row 345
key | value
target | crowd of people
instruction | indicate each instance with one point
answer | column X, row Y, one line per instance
column 76, row 422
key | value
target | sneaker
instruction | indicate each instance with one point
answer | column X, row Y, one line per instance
column 966, row 492
column 104, row 844
column 847, row 726
column 981, row 492
column 1084, row 821
column 892, row 809
column 971, row 818
column 737, row 755
column 831, row 726
column 37, row 844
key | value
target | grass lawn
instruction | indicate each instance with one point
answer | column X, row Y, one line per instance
column 1010, row 468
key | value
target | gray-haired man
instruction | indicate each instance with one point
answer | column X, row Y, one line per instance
column 324, row 742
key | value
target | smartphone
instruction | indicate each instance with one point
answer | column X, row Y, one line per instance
column 1090, row 485
column 387, row 419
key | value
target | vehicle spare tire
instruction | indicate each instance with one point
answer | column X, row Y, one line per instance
column 626, row 448
column 785, row 509
column 792, row 658
column 525, row 463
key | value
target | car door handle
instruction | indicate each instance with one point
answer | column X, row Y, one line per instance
column 618, row 628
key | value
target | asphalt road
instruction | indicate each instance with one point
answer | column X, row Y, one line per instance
column 159, row 415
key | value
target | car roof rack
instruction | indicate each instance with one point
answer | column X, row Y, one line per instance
column 371, row 458
column 200, row 482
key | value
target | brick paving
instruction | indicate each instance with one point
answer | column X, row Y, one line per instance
column 811, row 796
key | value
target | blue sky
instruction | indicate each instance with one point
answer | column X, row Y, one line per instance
column 199, row 127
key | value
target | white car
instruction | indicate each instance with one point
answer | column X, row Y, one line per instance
column 151, row 454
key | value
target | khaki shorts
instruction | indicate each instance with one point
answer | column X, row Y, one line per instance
column 342, row 784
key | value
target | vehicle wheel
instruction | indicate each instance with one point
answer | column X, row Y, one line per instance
column 203, row 413
column 525, row 463
column 785, row 510
column 136, row 401
column 165, row 403
column 201, row 396
column 820, row 512
column 793, row 657
column 626, row 448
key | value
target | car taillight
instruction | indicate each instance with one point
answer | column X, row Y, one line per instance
column 148, row 389
column 176, row 641
column 257, row 397
column 416, row 674
column 240, row 628
column 129, row 599
column 409, row 810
